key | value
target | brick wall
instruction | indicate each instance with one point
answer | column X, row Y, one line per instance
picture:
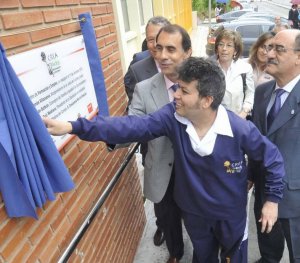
column 115, row 232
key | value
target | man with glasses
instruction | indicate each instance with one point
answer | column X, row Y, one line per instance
column 276, row 113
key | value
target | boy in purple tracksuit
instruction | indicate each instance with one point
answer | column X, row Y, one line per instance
column 210, row 170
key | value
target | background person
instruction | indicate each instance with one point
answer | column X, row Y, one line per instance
column 258, row 58
column 279, row 25
column 238, row 97
column 217, row 10
column 210, row 182
column 293, row 16
column 281, row 96
column 154, row 24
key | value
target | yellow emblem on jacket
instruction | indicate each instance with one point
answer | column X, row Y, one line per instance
column 233, row 167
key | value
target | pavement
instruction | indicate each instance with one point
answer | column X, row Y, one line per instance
column 147, row 252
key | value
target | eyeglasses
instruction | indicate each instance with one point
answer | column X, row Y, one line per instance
column 278, row 48
column 222, row 45
column 264, row 47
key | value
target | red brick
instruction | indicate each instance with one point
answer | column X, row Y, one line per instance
column 82, row 145
column 88, row 1
column 15, row 20
column 37, row 3
column 51, row 253
column 110, row 39
column 79, row 10
column 100, row 43
column 9, row 4
column 57, row 15
column 112, row 28
column 90, row 161
column 3, row 215
column 22, row 253
column 6, row 229
column 95, row 165
column 107, row 19
column 67, row 2
column 70, row 156
column 99, row 10
column 45, row 237
column 13, row 41
column 70, row 28
column 106, row 51
column 21, row 234
column 97, row 21
column 79, row 160
column 109, row 8
column 102, row 31
column 44, row 224
column 45, row 33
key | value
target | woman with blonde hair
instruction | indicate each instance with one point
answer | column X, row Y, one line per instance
column 239, row 94
column 258, row 58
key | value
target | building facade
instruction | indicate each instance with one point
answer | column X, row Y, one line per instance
column 116, row 229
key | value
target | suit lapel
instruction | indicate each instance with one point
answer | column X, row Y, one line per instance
column 151, row 68
column 289, row 109
column 159, row 91
column 262, row 106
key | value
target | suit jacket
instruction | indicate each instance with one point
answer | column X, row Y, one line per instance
column 149, row 96
column 137, row 72
column 285, row 133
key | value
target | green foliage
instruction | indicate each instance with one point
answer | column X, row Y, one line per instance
column 202, row 5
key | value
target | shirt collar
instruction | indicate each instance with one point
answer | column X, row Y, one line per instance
column 168, row 82
column 289, row 87
column 220, row 126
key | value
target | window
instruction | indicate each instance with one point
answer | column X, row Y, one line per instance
column 141, row 12
column 125, row 15
column 249, row 31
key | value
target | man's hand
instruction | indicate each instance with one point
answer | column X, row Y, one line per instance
column 249, row 185
column 56, row 127
column 269, row 215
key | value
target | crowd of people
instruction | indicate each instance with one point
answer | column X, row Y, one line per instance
column 203, row 155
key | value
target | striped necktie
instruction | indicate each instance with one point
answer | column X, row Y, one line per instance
column 174, row 87
column 275, row 107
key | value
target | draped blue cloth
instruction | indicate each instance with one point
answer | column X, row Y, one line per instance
column 31, row 168
column 94, row 59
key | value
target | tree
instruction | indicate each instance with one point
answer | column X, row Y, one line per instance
column 201, row 6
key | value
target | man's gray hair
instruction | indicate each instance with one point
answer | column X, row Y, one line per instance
column 158, row 20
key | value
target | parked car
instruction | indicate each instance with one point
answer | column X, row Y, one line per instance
column 262, row 15
column 250, row 30
column 232, row 15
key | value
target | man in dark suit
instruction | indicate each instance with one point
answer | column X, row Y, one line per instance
column 276, row 113
column 150, row 67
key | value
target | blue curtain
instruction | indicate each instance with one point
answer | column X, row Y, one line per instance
column 31, row 169
column 93, row 55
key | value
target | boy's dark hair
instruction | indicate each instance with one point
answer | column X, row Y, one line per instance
column 210, row 78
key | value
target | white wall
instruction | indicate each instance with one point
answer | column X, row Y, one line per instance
column 131, row 42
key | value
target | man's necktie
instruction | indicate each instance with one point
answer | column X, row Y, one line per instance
column 275, row 107
column 174, row 87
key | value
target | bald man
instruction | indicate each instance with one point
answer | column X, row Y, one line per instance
column 283, row 129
